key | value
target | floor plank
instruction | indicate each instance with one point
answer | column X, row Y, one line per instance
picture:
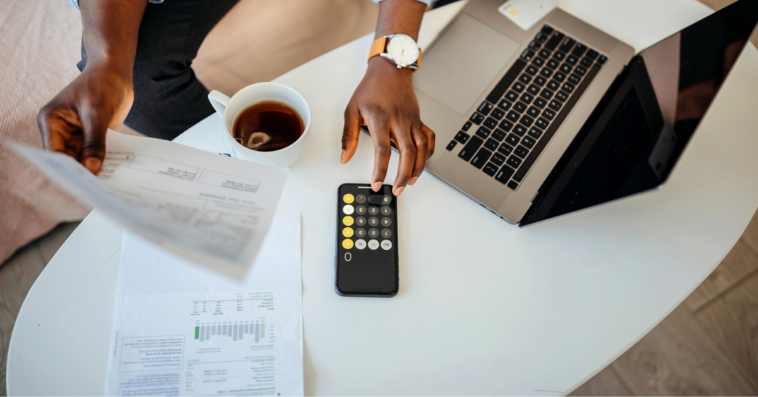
column 732, row 320
column 605, row 383
column 737, row 265
column 679, row 358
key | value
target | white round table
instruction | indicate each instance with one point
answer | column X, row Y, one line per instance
column 484, row 307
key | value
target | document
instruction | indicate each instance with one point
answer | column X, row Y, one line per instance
column 207, row 208
column 181, row 329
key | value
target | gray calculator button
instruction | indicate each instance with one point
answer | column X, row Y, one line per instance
column 386, row 222
column 373, row 244
column 361, row 198
column 385, row 210
column 373, row 233
column 360, row 233
column 386, row 244
column 360, row 244
column 373, row 210
column 373, row 221
column 386, row 233
column 360, row 210
column 360, row 221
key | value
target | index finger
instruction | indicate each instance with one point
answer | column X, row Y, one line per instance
column 380, row 134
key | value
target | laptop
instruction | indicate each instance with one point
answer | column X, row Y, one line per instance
column 540, row 123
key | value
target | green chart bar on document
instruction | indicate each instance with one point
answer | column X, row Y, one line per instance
column 233, row 319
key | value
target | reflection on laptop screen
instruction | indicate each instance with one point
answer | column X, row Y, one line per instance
column 639, row 129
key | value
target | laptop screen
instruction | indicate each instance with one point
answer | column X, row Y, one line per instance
column 638, row 131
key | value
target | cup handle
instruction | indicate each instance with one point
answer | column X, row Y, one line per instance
column 218, row 101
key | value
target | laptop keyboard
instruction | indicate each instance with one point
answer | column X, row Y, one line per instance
column 526, row 107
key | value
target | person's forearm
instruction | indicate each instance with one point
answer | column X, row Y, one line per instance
column 400, row 16
column 110, row 30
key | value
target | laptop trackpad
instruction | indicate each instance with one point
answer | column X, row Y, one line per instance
column 463, row 62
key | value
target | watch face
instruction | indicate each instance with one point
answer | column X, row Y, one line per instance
column 403, row 50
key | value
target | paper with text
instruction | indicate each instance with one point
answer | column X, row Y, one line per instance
column 207, row 208
column 180, row 329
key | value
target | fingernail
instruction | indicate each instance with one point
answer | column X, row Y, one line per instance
column 93, row 164
column 342, row 157
column 399, row 191
column 376, row 186
column 413, row 180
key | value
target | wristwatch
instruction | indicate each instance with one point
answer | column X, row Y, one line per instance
column 399, row 49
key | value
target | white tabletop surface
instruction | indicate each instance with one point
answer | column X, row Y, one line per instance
column 484, row 307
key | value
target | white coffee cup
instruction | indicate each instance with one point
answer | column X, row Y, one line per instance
column 230, row 108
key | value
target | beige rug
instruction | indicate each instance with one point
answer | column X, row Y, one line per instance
column 39, row 47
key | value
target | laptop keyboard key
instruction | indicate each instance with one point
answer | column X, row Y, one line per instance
column 506, row 81
column 483, row 132
column 540, row 102
column 476, row 118
column 513, row 116
column 521, row 151
column 490, row 169
column 505, row 105
column 586, row 62
column 511, row 96
column 481, row 158
column 491, row 144
column 518, row 87
column 512, row 140
column 580, row 70
column 531, row 70
column 553, row 85
column 545, row 72
column 533, row 112
column 555, row 39
column 542, row 123
column 549, row 114
column 519, row 130
column 528, row 142
column 566, row 45
column 498, row 134
column 490, row 123
column 561, row 96
column 538, row 62
column 512, row 185
column 602, row 59
column 544, row 53
column 568, row 87
column 574, row 79
column 552, row 64
column 546, row 30
column 555, row 105
column 526, row 120
column 514, row 161
column 497, row 113
column 534, row 45
column 524, row 79
column 541, row 37
column 579, row 50
column 471, row 147
column 560, row 76
column 572, row 60
column 527, row 97
column 498, row 159
column 505, row 174
column 519, row 107
column 461, row 137
column 533, row 89
column 566, row 68
column 527, row 55
column 547, row 94
column 506, row 125
column 591, row 54
column 539, row 80
column 559, row 55
column 466, row 126
column 505, row 149
column 535, row 132
column 451, row 145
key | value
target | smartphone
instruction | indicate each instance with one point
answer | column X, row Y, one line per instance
column 366, row 263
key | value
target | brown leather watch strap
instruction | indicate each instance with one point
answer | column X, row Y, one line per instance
column 377, row 47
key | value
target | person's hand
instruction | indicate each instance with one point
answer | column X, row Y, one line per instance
column 76, row 120
column 386, row 103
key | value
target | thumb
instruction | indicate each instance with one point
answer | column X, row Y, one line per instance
column 93, row 146
column 350, row 133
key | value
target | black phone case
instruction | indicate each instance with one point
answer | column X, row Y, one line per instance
column 366, row 272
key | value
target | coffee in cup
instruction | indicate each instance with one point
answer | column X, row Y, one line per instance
column 267, row 126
